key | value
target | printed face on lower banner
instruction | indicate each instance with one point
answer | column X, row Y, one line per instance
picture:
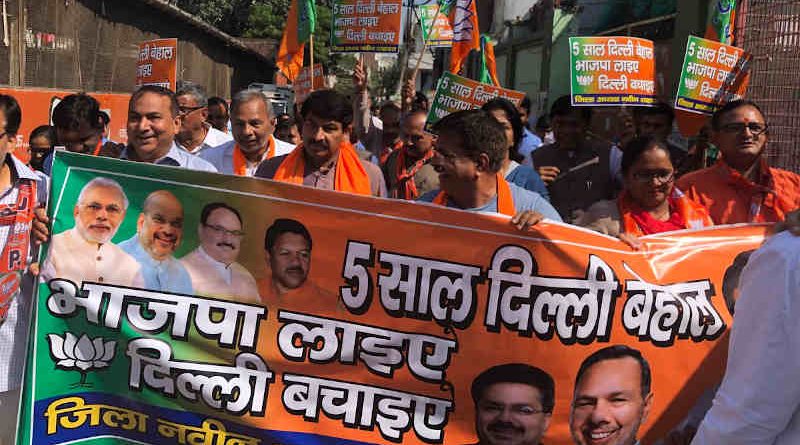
column 225, row 310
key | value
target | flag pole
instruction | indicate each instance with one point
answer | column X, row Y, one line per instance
column 427, row 41
column 311, row 45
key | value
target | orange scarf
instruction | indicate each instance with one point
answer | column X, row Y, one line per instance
column 693, row 215
column 406, row 187
column 98, row 147
column 505, row 202
column 350, row 173
column 765, row 195
column 240, row 162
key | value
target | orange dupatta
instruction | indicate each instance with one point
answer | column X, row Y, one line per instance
column 350, row 173
column 240, row 162
column 693, row 215
column 505, row 202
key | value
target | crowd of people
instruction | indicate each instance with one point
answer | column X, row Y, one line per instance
column 486, row 160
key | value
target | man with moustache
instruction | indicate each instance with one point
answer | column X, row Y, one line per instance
column 85, row 252
column 252, row 125
column 326, row 160
column 513, row 404
column 287, row 245
column 612, row 397
column 195, row 133
column 153, row 122
column 212, row 266
column 159, row 231
column 408, row 171
column 741, row 187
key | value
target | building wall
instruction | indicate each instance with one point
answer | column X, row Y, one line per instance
column 91, row 45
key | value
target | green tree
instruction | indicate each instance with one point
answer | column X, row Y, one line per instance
column 230, row 16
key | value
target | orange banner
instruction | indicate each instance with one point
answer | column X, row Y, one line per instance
column 367, row 27
column 37, row 107
column 158, row 63
column 366, row 320
column 302, row 84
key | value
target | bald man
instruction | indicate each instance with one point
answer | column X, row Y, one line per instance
column 159, row 231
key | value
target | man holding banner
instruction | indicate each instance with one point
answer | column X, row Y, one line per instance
column 326, row 159
column 469, row 156
column 252, row 125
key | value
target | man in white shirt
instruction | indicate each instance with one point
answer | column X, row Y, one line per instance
column 212, row 266
column 85, row 252
column 159, row 231
column 252, row 125
column 195, row 133
column 759, row 400
column 153, row 122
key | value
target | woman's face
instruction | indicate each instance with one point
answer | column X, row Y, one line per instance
column 650, row 179
column 501, row 117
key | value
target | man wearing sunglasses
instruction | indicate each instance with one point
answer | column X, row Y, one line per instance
column 742, row 187
column 86, row 252
column 212, row 266
column 195, row 133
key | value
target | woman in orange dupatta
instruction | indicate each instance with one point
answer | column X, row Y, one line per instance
column 649, row 203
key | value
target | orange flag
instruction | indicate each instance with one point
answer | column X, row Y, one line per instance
column 291, row 51
column 466, row 35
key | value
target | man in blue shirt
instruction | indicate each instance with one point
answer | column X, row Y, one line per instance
column 159, row 231
column 469, row 156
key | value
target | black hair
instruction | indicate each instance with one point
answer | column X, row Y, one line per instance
column 479, row 133
column 512, row 114
column 206, row 212
column 13, row 112
column 659, row 109
column 44, row 131
column 716, row 118
column 517, row 373
column 159, row 90
column 543, row 123
column 634, row 149
column 526, row 103
column 730, row 281
column 563, row 107
column 105, row 117
column 285, row 122
column 389, row 105
column 285, row 225
column 420, row 102
column 77, row 109
column 618, row 352
column 216, row 100
column 328, row 104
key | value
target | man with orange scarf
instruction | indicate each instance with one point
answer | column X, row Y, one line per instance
column 326, row 160
column 252, row 125
column 741, row 187
column 408, row 170
column 469, row 156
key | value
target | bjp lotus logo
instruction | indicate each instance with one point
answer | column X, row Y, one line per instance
column 81, row 354
column 690, row 83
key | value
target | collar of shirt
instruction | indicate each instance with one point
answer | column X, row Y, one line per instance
column 19, row 170
column 226, row 271
column 142, row 256
column 176, row 156
column 765, row 182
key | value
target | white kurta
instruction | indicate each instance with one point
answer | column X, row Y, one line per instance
column 214, row 279
column 73, row 258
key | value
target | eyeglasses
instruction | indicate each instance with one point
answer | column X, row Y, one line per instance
column 525, row 410
column 223, row 231
column 186, row 110
column 96, row 207
column 661, row 177
column 755, row 128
